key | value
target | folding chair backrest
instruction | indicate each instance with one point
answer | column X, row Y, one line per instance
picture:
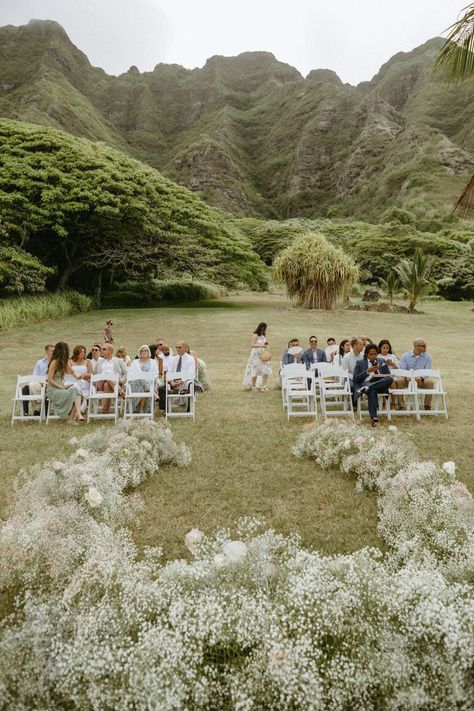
column 294, row 370
column 110, row 377
column 147, row 376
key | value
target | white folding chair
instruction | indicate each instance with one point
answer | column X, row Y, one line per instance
column 295, row 371
column 148, row 395
column 185, row 397
column 383, row 405
column 301, row 395
column 335, row 393
column 95, row 396
column 407, row 393
column 437, row 393
column 20, row 398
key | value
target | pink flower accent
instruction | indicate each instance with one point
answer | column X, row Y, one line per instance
column 399, row 481
column 310, row 426
column 460, row 491
column 359, row 440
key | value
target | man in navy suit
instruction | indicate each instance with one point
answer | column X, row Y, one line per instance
column 313, row 354
column 368, row 380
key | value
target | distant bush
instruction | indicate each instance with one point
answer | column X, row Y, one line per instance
column 30, row 309
column 21, row 273
column 138, row 294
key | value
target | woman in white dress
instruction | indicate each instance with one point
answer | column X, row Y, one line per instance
column 256, row 367
column 81, row 373
column 343, row 348
column 143, row 364
column 386, row 353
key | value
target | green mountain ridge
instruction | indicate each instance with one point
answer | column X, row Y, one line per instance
column 249, row 134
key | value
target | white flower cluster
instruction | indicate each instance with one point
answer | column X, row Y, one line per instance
column 248, row 621
column 425, row 514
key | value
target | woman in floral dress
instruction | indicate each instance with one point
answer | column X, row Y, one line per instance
column 256, row 367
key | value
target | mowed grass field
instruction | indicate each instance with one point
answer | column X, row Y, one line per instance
column 241, row 441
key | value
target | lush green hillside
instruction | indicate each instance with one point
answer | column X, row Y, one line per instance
column 249, row 133
column 93, row 214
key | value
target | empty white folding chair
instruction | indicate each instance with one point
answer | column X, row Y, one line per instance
column 438, row 396
column 301, row 395
column 146, row 394
column 20, row 399
column 406, row 394
column 99, row 396
column 295, row 371
column 181, row 402
column 335, row 393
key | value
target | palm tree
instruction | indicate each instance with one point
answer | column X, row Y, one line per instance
column 315, row 272
column 455, row 62
column 391, row 286
column 415, row 277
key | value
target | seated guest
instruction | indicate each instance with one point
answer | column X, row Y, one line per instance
column 387, row 355
column 122, row 353
column 343, row 348
column 418, row 359
column 66, row 398
column 350, row 358
column 109, row 364
column 332, row 349
column 95, row 356
column 41, row 368
column 371, row 377
column 289, row 358
column 313, row 354
column 180, row 363
column 194, row 355
column 365, row 340
column 163, row 358
column 143, row 364
column 82, row 369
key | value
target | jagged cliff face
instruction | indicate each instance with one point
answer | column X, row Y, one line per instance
column 249, row 133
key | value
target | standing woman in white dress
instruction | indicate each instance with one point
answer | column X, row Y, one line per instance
column 256, row 367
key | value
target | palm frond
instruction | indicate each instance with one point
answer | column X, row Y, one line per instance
column 455, row 61
column 465, row 204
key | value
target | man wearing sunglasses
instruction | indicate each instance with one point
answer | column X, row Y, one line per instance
column 184, row 364
column 313, row 354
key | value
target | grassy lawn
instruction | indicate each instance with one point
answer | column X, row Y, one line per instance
column 241, row 441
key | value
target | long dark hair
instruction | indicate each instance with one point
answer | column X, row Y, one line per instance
column 61, row 356
column 261, row 329
column 385, row 342
column 341, row 346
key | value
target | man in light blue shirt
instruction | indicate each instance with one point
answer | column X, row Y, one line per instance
column 418, row 359
column 41, row 367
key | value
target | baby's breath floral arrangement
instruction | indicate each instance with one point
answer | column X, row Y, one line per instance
column 246, row 621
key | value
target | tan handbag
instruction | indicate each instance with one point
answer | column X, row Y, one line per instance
column 265, row 355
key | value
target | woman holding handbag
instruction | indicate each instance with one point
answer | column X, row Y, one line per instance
column 258, row 364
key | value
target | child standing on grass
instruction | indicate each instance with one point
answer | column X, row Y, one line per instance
column 108, row 337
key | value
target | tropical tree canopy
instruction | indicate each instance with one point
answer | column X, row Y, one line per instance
column 83, row 208
column 315, row 272
column 415, row 276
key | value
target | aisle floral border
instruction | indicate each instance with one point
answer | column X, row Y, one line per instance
column 257, row 622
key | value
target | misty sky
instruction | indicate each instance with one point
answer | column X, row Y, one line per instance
column 353, row 37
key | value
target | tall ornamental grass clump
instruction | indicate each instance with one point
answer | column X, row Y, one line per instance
column 250, row 621
column 30, row 309
column 315, row 272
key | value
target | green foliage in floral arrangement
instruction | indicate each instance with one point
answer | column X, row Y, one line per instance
column 90, row 211
column 21, row 273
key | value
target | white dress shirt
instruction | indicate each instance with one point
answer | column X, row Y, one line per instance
column 188, row 366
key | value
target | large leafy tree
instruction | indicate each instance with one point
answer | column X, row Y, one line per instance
column 82, row 207
column 315, row 272
column 455, row 62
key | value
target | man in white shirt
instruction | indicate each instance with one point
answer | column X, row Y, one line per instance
column 95, row 356
column 163, row 357
column 109, row 365
column 350, row 359
column 182, row 363
column 41, row 368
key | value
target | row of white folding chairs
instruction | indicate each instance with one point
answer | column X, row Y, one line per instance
column 332, row 388
column 97, row 397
